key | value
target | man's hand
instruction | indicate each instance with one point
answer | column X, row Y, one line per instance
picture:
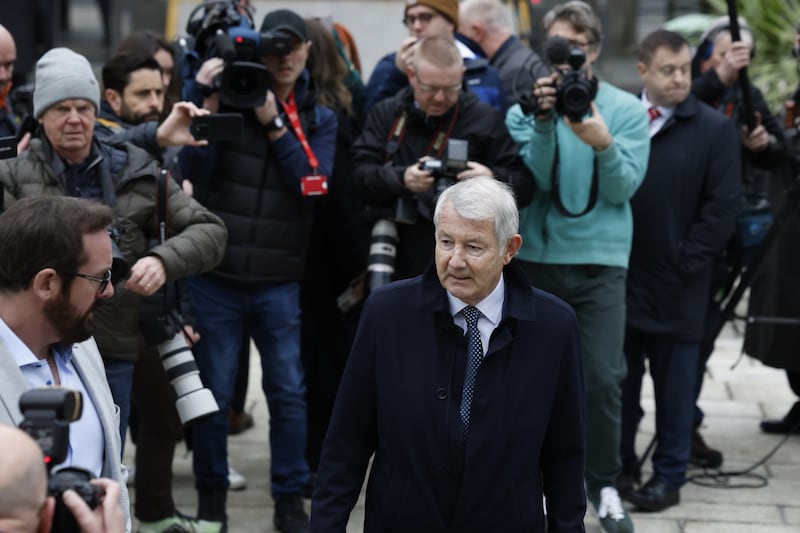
column 544, row 92
column 475, row 170
column 758, row 139
column 23, row 143
column 267, row 112
column 592, row 130
column 147, row 276
column 174, row 131
column 734, row 59
column 417, row 180
column 210, row 70
column 190, row 335
column 106, row 517
column 404, row 56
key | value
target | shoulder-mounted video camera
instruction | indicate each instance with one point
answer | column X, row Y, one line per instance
column 575, row 92
column 218, row 29
column 47, row 414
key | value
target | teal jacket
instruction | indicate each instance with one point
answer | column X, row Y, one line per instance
column 603, row 235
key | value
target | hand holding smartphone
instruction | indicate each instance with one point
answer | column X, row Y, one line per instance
column 217, row 126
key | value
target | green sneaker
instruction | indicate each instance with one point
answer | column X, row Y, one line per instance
column 181, row 524
column 612, row 515
column 173, row 524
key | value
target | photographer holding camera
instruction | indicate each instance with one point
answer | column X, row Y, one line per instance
column 66, row 157
column 55, row 267
column 263, row 186
column 425, row 138
column 587, row 144
column 26, row 507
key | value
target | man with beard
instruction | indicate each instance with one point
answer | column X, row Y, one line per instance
column 66, row 158
column 55, row 265
column 683, row 215
column 133, row 100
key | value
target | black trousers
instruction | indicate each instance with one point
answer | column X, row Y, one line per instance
column 157, row 432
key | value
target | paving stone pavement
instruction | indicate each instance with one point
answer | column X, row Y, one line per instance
column 735, row 398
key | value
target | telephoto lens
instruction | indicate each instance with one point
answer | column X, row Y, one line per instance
column 194, row 400
column 382, row 253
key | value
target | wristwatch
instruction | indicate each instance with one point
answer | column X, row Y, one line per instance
column 276, row 124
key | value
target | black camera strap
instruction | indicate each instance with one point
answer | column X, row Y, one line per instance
column 438, row 140
column 162, row 211
column 555, row 184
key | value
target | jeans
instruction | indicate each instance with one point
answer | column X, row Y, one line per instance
column 120, row 380
column 270, row 311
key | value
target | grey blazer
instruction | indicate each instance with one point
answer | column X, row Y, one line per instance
column 89, row 366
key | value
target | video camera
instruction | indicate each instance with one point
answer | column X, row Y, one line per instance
column 218, row 29
column 576, row 91
column 47, row 414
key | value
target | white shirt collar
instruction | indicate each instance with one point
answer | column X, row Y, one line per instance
column 490, row 307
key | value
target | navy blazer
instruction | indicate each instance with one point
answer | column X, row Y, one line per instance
column 399, row 400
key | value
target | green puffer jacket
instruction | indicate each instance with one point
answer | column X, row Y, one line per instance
column 197, row 236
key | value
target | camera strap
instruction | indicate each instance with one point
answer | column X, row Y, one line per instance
column 555, row 185
column 162, row 211
column 290, row 107
column 438, row 141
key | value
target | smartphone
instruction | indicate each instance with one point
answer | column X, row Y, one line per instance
column 8, row 147
column 218, row 126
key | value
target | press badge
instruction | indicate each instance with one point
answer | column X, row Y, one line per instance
column 314, row 185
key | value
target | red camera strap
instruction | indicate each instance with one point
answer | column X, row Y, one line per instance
column 290, row 107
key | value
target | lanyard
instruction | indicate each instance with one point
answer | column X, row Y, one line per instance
column 290, row 107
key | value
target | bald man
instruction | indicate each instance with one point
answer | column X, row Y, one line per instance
column 9, row 124
column 25, row 506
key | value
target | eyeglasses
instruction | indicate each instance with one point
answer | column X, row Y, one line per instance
column 423, row 18
column 578, row 44
column 449, row 90
column 104, row 281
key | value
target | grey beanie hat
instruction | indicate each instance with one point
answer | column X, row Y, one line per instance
column 61, row 74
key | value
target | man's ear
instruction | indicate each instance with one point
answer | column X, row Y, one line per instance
column 641, row 68
column 46, row 515
column 46, row 284
column 512, row 247
column 412, row 78
column 114, row 99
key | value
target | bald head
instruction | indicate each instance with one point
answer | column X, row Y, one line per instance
column 8, row 54
column 23, row 481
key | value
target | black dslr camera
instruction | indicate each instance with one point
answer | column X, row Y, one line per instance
column 576, row 91
column 444, row 171
column 47, row 414
column 219, row 30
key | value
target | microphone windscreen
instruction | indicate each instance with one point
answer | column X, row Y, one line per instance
column 556, row 50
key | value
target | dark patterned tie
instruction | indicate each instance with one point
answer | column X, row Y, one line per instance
column 474, row 358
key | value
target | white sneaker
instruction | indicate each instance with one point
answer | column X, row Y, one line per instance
column 610, row 504
column 236, row 481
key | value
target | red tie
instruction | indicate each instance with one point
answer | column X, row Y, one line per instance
column 653, row 113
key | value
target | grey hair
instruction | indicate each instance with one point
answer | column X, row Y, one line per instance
column 483, row 198
column 580, row 15
column 493, row 13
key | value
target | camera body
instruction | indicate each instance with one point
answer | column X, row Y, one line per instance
column 444, row 171
column 576, row 90
column 223, row 32
column 47, row 414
